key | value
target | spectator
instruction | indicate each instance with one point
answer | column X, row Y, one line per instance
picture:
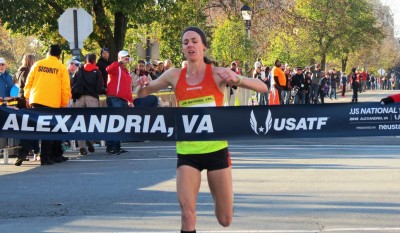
column 140, row 70
column 87, row 86
column 119, row 93
column 315, row 82
column 6, row 80
column 306, row 70
column 48, row 86
column 256, row 75
column 278, row 82
column 298, row 85
column 286, row 91
column 332, row 84
column 102, row 63
column 26, row 146
column 234, row 67
column 323, row 86
column 238, row 69
column 27, row 62
column 73, row 66
column 337, row 75
column 307, row 86
column 151, row 71
column 363, row 80
column 231, row 89
column 355, row 84
column 373, row 82
column 344, row 84
column 167, row 64
column 265, row 78
column 368, row 84
column 160, row 69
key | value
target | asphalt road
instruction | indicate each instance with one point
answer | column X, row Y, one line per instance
column 291, row 185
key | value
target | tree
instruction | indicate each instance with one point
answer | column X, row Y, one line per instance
column 174, row 20
column 380, row 55
column 13, row 47
column 110, row 19
column 342, row 25
column 113, row 20
column 230, row 42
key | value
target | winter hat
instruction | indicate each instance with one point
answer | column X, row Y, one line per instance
column 104, row 50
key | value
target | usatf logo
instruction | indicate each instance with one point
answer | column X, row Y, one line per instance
column 268, row 123
column 288, row 124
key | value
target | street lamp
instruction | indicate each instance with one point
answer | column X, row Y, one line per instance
column 246, row 14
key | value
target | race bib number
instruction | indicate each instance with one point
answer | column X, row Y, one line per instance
column 206, row 101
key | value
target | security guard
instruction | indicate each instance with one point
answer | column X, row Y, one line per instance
column 48, row 85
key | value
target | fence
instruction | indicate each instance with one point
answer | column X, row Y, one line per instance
column 8, row 146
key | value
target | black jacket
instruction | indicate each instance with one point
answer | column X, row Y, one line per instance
column 21, row 76
column 102, row 64
column 298, row 80
column 87, row 83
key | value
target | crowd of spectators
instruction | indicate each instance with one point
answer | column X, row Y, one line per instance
column 311, row 85
column 88, row 81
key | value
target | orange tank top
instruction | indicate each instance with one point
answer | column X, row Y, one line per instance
column 204, row 94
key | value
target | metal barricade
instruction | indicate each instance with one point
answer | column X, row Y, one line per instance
column 8, row 145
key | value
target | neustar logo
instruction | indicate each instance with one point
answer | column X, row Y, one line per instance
column 289, row 124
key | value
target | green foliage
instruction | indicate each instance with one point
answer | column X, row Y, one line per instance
column 39, row 18
column 113, row 21
column 14, row 47
column 335, row 28
column 174, row 19
column 288, row 48
column 230, row 42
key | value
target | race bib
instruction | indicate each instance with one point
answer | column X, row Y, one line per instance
column 206, row 101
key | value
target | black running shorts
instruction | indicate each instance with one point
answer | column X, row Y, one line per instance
column 210, row 161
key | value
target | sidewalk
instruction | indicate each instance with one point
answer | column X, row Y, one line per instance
column 366, row 96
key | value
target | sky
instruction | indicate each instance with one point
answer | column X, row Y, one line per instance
column 395, row 7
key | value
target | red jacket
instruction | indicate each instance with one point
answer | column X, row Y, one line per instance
column 363, row 76
column 119, row 82
column 395, row 97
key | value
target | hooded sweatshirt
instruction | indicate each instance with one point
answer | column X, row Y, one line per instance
column 119, row 82
column 90, row 81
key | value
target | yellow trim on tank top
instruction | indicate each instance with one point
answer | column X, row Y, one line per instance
column 199, row 147
column 205, row 101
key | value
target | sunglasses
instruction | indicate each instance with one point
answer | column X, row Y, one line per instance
column 74, row 64
column 1, row 64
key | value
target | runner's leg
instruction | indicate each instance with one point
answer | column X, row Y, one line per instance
column 220, row 183
column 188, row 180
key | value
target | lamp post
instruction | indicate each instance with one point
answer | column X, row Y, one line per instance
column 246, row 14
